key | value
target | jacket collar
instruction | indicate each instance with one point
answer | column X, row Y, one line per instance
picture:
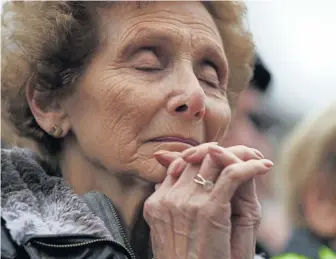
column 34, row 203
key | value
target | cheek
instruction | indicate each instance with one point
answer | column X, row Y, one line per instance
column 108, row 114
column 218, row 118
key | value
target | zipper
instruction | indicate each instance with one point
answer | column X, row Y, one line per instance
column 123, row 234
column 80, row 244
column 125, row 246
column 76, row 244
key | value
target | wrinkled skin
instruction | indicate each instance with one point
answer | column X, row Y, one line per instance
column 221, row 223
column 160, row 70
column 153, row 60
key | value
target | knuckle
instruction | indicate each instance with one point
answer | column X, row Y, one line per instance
column 171, row 199
column 167, row 202
column 148, row 210
column 252, row 216
column 231, row 171
column 208, row 211
column 149, row 206
column 191, row 209
column 242, row 147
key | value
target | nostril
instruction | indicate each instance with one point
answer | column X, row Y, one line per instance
column 197, row 114
column 182, row 108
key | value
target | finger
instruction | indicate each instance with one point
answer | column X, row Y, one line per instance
column 222, row 156
column 235, row 174
column 210, row 169
column 169, row 181
column 160, row 220
column 244, row 225
column 238, row 154
column 165, row 158
column 243, row 241
column 246, row 215
column 245, row 153
column 197, row 154
column 245, row 194
column 177, row 167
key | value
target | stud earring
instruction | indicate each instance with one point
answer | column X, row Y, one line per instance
column 55, row 131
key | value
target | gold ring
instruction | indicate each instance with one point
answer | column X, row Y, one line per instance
column 207, row 185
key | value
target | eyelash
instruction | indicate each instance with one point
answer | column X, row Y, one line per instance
column 211, row 64
column 149, row 69
column 211, row 84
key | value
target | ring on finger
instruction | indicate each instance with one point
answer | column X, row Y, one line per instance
column 207, row 185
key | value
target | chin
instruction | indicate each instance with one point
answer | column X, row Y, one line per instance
column 152, row 172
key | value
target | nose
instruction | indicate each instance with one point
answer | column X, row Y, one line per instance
column 190, row 104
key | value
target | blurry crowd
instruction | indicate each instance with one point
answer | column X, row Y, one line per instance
column 299, row 197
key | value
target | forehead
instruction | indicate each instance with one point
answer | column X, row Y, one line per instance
column 175, row 19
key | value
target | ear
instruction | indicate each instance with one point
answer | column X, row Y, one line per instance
column 52, row 117
column 319, row 211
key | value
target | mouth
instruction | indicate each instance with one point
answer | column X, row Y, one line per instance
column 176, row 139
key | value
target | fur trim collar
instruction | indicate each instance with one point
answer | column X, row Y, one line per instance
column 33, row 203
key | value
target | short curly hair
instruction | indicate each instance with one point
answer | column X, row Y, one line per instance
column 48, row 43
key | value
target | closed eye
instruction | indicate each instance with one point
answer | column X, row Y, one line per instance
column 208, row 75
column 146, row 60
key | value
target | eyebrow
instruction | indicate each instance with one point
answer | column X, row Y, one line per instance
column 215, row 51
column 152, row 35
column 146, row 36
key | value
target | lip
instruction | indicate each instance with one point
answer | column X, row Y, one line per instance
column 176, row 139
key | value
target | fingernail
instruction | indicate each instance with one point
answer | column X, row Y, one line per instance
column 164, row 155
column 160, row 152
column 215, row 143
column 215, row 149
column 216, row 154
column 259, row 154
column 176, row 167
column 164, row 158
column 268, row 163
column 189, row 152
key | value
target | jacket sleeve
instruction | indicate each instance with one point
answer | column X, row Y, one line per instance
column 9, row 250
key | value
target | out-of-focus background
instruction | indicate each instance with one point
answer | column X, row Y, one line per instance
column 296, row 43
column 296, row 40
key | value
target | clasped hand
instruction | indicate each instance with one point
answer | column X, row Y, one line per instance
column 190, row 221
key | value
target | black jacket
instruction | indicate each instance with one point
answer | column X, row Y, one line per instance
column 41, row 217
column 303, row 244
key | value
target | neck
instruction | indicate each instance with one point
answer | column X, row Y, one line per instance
column 126, row 192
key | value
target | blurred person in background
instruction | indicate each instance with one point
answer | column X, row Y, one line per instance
column 308, row 165
column 251, row 121
column 250, row 125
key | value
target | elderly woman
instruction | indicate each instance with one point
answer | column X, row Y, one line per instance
column 122, row 98
column 308, row 164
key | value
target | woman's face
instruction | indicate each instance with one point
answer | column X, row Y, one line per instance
column 160, row 72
